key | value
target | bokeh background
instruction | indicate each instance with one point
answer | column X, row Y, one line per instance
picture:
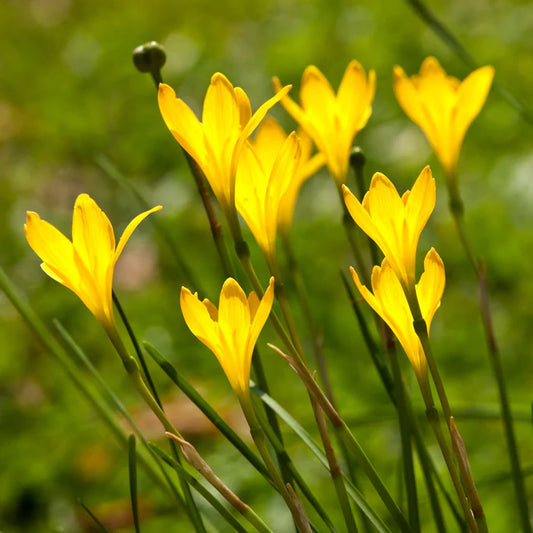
column 74, row 112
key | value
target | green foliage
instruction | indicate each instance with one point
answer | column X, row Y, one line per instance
column 69, row 94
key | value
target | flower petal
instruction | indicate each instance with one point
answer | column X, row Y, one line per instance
column 471, row 97
column 431, row 286
column 54, row 249
column 262, row 312
column 130, row 228
column 245, row 108
column 360, row 214
column 409, row 99
column 420, row 205
column 354, row 97
column 221, row 115
column 199, row 320
column 182, row 123
column 92, row 236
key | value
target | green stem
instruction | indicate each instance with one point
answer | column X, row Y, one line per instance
column 78, row 379
column 232, row 437
column 390, row 387
column 259, row 439
column 198, row 487
column 457, row 211
column 279, row 449
column 334, row 469
column 132, row 368
column 348, row 438
column 136, row 347
column 77, row 352
column 405, row 435
column 192, row 456
column 434, row 421
column 474, row 517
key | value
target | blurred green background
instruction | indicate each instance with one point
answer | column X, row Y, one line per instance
column 71, row 103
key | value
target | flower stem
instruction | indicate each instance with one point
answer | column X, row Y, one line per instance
column 258, row 436
column 405, row 435
column 334, row 469
column 475, row 517
column 457, row 211
column 132, row 368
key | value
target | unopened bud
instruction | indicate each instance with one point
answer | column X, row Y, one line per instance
column 149, row 57
column 357, row 157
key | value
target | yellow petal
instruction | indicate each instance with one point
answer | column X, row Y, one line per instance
column 316, row 95
column 221, row 115
column 54, row 249
column 389, row 292
column 92, row 236
column 245, row 108
column 355, row 96
column 296, row 112
column 250, row 194
column 268, row 141
column 262, row 312
column 430, row 288
column 130, row 228
column 182, row 123
column 471, row 97
column 365, row 293
column 259, row 115
column 409, row 99
column 199, row 321
column 360, row 214
column 233, row 312
column 386, row 209
column 420, row 205
column 211, row 309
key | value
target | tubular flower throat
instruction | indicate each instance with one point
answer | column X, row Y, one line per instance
column 267, row 144
column 388, row 300
column 85, row 265
column 395, row 223
column 230, row 331
column 216, row 142
column 332, row 120
column 442, row 106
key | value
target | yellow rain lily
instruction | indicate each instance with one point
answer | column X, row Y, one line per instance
column 332, row 120
column 259, row 191
column 395, row 223
column 267, row 144
column 388, row 300
column 230, row 331
column 216, row 142
column 85, row 265
column 442, row 106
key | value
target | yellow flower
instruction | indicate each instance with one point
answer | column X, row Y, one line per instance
column 216, row 142
column 395, row 223
column 230, row 331
column 442, row 106
column 260, row 188
column 332, row 120
column 267, row 144
column 85, row 265
column 389, row 301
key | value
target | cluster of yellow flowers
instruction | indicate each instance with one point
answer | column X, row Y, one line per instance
column 260, row 179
